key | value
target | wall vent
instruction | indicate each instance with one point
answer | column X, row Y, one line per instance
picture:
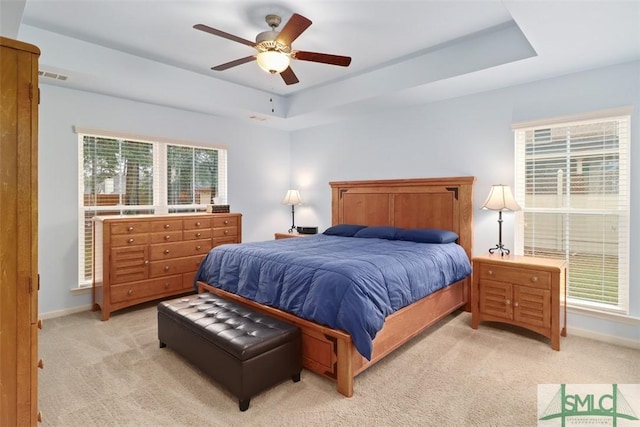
column 50, row 75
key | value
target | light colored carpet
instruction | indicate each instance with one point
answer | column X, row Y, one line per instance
column 113, row 374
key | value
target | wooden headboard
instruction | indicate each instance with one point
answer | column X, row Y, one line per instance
column 445, row 203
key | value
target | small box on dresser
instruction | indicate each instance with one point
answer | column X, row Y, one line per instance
column 139, row 258
column 529, row 292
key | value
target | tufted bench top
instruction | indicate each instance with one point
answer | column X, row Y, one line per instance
column 231, row 326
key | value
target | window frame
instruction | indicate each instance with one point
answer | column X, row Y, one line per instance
column 622, row 213
column 160, row 194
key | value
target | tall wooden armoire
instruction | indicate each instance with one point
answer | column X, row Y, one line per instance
column 19, row 281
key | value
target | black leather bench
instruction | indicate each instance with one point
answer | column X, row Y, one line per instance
column 245, row 351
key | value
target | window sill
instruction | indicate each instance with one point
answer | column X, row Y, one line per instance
column 605, row 315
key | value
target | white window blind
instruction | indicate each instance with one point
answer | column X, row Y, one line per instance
column 122, row 176
column 572, row 182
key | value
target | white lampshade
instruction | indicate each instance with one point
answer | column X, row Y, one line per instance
column 292, row 198
column 272, row 61
column 500, row 199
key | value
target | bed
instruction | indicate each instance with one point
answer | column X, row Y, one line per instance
column 438, row 203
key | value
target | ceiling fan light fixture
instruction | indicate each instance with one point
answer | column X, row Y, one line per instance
column 272, row 61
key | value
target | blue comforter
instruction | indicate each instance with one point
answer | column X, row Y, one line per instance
column 346, row 283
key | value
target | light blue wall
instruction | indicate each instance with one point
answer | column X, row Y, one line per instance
column 258, row 177
column 470, row 135
column 464, row 136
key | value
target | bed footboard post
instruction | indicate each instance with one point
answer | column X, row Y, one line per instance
column 345, row 367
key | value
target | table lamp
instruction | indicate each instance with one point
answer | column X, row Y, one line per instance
column 292, row 198
column 500, row 199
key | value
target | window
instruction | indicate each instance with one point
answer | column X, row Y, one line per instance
column 130, row 176
column 572, row 182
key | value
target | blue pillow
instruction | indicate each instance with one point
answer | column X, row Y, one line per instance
column 344, row 230
column 427, row 235
column 381, row 232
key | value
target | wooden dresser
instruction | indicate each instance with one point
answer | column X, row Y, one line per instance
column 140, row 258
column 19, row 282
column 529, row 292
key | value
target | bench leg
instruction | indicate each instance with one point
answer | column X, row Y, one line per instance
column 244, row 404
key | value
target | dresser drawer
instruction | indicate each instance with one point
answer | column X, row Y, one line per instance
column 521, row 276
column 224, row 240
column 166, row 225
column 197, row 234
column 166, row 237
column 175, row 266
column 129, row 239
column 225, row 221
column 180, row 249
column 147, row 288
column 196, row 223
column 130, row 227
column 225, row 232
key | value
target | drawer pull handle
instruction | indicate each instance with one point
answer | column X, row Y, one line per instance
column 198, row 234
column 39, row 323
column 40, row 364
column 146, row 261
column 166, row 268
column 130, row 291
column 515, row 304
column 226, row 221
column 198, row 248
column 490, row 272
column 166, row 286
column 131, row 240
column 130, row 229
column 167, row 225
column 507, row 302
column 166, row 251
column 226, row 232
column 198, row 224
column 534, row 279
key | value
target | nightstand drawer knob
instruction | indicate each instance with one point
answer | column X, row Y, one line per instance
column 534, row 279
column 166, row 251
column 130, row 291
column 507, row 302
column 198, row 247
column 515, row 304
column 226, row 231
column 167, row 237
column 198, row 234
column 130, row 229
column 226, row 222
column 197, row 224
column 131, row 240
column 490, row 272
column 167, row 225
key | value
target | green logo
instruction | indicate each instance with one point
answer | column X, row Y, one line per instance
column 601, row 407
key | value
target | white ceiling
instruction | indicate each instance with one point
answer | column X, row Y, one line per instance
column 403, row 52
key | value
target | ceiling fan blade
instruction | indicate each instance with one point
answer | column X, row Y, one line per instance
column 324, row 58
column 292, row 29
column 222, row 34
column 289, row 76
column 228, row 65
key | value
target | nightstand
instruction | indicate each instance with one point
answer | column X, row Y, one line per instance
column 289, row 235
column 525, row 291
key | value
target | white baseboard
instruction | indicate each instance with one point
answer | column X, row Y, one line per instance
column 59, row 313
column 609, row 339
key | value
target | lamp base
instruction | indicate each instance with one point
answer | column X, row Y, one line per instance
column 500, row 248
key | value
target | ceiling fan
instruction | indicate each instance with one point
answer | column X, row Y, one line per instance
column 274, row 48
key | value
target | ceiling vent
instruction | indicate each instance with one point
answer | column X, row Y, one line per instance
column 50, row 75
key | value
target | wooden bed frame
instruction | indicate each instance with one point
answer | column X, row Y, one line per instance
column 444, row 203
